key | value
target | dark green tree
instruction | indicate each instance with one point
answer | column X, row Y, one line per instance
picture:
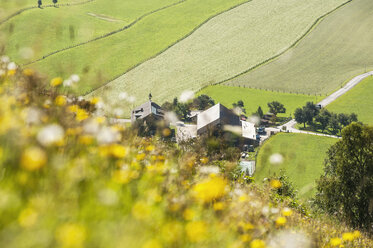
column 310, row 111
column 203, row 102
column 240, row 104
column 353, row 117
column 300, row 116
column 323, row 118
column 55, row 2
column 346, row 188
column 39, row 3
column 259, row 112
column 334, row 123
column 276, row 107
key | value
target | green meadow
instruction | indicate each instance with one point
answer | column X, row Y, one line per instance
column 223, row 47
column 57, row 28
column 358, row 100
column 252, row 98
column 303, row 159
column 338, row 49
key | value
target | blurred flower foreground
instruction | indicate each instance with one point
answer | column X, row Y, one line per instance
column 69, row 178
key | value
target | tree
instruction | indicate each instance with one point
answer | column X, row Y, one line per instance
column 323, row 118
column 346, row 189
column 353, row 117
column 334, row 123
column 344, row 120
column 55, row 2
column 39, row 3
column 259, row 112
column 310, row 111
column 203, row 102
column 300, row 116
column 240, row 105
column 276, row 107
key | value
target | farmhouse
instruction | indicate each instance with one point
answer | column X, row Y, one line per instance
column 147, row 111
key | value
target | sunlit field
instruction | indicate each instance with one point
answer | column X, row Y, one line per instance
column 253, row 98
column 303, row 160
column 359, row 100
column 224, row 47
column 337, row 50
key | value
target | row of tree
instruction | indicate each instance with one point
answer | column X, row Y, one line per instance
column 323, row 119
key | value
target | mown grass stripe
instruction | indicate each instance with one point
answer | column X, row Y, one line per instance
column 164, row 50
column 316, row 22
column 106, row 35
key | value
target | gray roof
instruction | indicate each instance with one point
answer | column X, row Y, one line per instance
column 217, row 114
column 146, row 109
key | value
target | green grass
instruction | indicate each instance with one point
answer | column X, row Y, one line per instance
column 104, row 59
column 338, row 49
column 253, row 98
column 303, row 159
column 358, row 100
column 56, row 28
column 226, row 45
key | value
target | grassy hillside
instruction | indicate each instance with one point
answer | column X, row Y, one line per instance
column 56, row 28
column 104, row 59
column 338, row 49
column 303, row 159
column 358, row 100
column 225, row 46
column 253, row 98
column 71, row 179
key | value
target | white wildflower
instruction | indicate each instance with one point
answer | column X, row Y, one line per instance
column 75, row 78
column 107, row 135
column 12, row 66
column 186, row 96
column 50, row 135
column 123, row 95
column 276, row 158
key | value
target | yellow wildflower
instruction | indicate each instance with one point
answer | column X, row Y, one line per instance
column 357, row 234
column 287, row 212
column 280, row 221
column 335, row 241
column 210, row 189
column 81, row 115
column 12, row 72
column 348, row 236
column 246, row 226
column 118, row 151
column 189, row 214
column 204, row 160
column 27, row 217
column 71, row 235
column 275, row 183
column 245, row 237
column 33, row 159
column 85, row 139
column 257, row 243
column 153, row 243
column 60, row 100
column 73, row 108
column 28, row 72
column 218, row 206
column 100, row 119
column 56, row 82
column 94, row 100
column 140, row 156
column 149, row 148
column 141, row 210
column 196, row 231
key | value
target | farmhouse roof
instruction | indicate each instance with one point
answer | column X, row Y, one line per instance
column 146, row 109
column 217, row 114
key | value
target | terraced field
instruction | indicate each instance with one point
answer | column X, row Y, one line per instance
column 253, row 98
column 358, row 100
column 102, row 60
column 338, row 49
column 303, row 159
column 46, row 30
column 225, row 46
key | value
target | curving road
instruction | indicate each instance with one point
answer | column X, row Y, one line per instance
column 329, row 99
